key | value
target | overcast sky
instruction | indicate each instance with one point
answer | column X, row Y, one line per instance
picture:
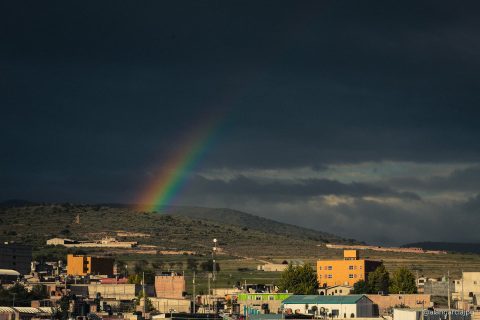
column 359, row 118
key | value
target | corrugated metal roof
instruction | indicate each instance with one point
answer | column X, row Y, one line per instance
column 318, row 299
column 48, row 310
column 27, row 310
column 9, row 272
column 270, row 316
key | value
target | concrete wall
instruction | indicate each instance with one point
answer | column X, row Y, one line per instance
column 170, row 286
column 437, row 288
column 410, row 300
column 164, row 305
column 343, row 310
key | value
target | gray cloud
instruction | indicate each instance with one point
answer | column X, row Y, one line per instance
column 288, row 189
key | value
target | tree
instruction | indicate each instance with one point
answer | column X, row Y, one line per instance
column 22, row 296
column 61, row 311
column 138, row 277
column 180, row 265
column 379, row 280
column 208, row 266
column 148, row 303
column 403, row 280
column 299, row 280
column 361, row 287
column 192, row 264
column 140, row 266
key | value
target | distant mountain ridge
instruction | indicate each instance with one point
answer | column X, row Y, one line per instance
column 447, row 246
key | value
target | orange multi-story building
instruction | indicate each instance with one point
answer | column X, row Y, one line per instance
column 344, row 272
column 81, row 265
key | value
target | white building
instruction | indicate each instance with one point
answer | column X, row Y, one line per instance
column 336, row 290
column 466, row 291
column 352, row 306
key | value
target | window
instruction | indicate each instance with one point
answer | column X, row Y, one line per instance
column 474, row 282
column 354, row 275
column 329, row 276
column 320, row 268
column 350, row 267
column 258, row 298
column 271, row 298
column 330, row 267
column 350, row 276
column 320, row 276
column 340, row 290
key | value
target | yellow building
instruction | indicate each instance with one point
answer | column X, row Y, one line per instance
column 344, row 272
column 80, row 265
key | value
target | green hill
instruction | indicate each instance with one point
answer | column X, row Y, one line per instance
column 178, row 229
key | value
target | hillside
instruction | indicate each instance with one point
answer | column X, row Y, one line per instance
column 250, row 221
column 181, row 229
column 447, row 246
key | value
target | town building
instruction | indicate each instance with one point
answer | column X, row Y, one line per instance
column 25, row 313
column 272, row 267
column 436, row 288
column 466, row 291
column 103, row 243
column 16, row 257
column 384, row 304
column 430, row 314
column 344, row 272
column 255, row 303
column 352, row 306
column 335, row 291
column 82, row 265
column 170, row 285
column 119, row 291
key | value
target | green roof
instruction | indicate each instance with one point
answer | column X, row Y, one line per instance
column 318, row 299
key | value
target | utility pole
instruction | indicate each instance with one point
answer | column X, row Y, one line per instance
column 448, row 289
column 144, row 296
column 463, row 303
column 208, row 296
column 194, row 296
column 214, row 275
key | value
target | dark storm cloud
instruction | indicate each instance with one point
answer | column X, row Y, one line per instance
column 307, row 84
column 96, row 96
column 459, row 180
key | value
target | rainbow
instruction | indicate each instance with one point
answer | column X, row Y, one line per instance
column 176, row 171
